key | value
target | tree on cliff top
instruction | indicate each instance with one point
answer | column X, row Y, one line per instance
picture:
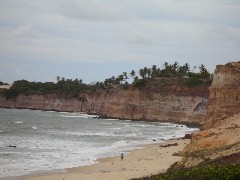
column 73, row 88
column 204, row 74
column 2, row 83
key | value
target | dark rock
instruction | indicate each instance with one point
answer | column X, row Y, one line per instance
column 188, row 136
column 12, row 146
column 168, row 145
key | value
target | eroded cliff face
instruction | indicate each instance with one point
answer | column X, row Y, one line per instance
column 169, row 103
column 42, row 102
column 224, row 98
column 141, row 105
column 219, row 140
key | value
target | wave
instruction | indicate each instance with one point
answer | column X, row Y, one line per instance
column 107, row 123
column 18, row 122
column 79, row 116
column 73, row 116
column 90, row 133
column 62, row 143
column 64, row 112
column 120, row 144
column 109, row 119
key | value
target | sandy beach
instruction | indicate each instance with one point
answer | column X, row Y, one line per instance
column 152, row 159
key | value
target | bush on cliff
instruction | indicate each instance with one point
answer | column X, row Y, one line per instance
column 73, row 88
column 230, row 172
column 140, row 83
column 2, row 83
column 193, row 81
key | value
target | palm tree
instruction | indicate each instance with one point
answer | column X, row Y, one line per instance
column 125, row 75
column 132, row 73
column 58, row 78
column 145, row 71
column 154, row 71
column 149, row 73
column 204, row 72
column 120, row 78
column 135, row 79
column 142, row 73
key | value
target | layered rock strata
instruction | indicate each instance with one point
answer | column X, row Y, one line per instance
column 224, row 98
column 219, row 141
column 166, row 103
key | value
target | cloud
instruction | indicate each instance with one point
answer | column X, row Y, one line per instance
column 93, row 10
column 139, row 31
column 137, row 37
column 25, row 31
column 15, row 71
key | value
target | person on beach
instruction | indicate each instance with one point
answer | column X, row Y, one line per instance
column 121, row 156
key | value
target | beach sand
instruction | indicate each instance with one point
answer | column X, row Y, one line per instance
column 138, row 163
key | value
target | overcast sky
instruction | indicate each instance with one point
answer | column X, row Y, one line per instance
column 95, row 39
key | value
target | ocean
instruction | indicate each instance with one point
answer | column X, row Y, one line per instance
column 33, row 141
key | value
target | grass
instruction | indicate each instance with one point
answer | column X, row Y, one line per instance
column 229, row 172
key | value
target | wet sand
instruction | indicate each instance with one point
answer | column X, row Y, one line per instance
column 152, row 159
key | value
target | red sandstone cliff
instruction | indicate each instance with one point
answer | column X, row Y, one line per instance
column 224, row 99
column 219, row 141
column 162, row 100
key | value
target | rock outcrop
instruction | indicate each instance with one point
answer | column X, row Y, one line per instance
column 46, row 102
column 147, row 105
column 219, row 139
column 163, row 100
column 224, row 99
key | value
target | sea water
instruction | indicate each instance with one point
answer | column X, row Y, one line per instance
column 47, row 140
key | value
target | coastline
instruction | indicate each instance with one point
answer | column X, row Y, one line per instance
column 98, row 116
column 151, row 159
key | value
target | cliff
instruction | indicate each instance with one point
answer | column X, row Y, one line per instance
column 161, row 99
column 219, row 140
column 224, row 99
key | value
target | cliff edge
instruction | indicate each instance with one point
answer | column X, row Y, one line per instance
column 160, row 99
column 224, row 98
column 219, row 140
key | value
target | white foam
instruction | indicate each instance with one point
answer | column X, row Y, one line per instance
column 88, row 133
column 92, row 116
column 63, row 112
column 50, row 111
column 107, row 123
column 79, row 115
column 120, row 144
column 64, row 144
column 18, row 122
column 111, row 119
column 73, row 116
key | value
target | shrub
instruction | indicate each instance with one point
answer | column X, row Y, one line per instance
column 193, row 81
column 140, row 83
column 230, row 172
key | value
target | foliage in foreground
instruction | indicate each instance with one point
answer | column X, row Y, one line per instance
column 230, row 172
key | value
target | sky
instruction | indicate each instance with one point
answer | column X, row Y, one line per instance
column 96, row 39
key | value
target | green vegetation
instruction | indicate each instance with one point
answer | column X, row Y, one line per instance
column 63, row 86
column 73, row 88
column 2, row 83
column 230, row 172
column 175, row 71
